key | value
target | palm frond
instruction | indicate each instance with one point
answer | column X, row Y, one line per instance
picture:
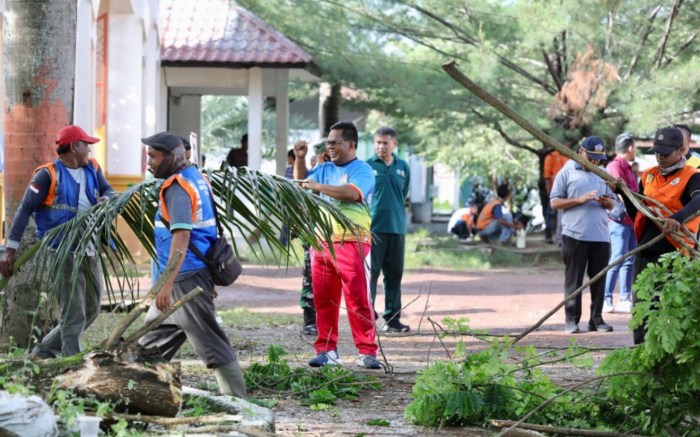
column 249, row 203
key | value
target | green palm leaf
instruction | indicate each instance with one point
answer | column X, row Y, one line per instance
column 248, row 202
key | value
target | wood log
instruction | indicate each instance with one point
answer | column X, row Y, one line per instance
column 134, row 388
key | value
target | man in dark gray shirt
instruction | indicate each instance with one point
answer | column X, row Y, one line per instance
column 186, row 218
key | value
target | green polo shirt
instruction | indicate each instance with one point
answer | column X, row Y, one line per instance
column 390, row 191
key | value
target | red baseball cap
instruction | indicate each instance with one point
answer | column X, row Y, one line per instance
column 73, row 133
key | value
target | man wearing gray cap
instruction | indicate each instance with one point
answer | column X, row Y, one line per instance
column 584, row 198
column 674, row 184
column 186, row 218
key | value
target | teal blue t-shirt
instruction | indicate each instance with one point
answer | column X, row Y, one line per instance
column 389, row 198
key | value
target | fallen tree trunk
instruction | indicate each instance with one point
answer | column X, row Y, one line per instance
column 154, row 390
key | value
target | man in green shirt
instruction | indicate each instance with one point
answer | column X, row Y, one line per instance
column 389, row 224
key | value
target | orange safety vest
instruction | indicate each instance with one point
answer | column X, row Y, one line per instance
column 486, row 216
column 667, row 191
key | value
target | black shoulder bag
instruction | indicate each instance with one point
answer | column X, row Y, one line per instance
column 220, row 260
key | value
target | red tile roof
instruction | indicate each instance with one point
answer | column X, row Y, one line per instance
column 221, row 33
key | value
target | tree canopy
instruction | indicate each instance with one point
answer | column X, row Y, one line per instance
column 572, row 68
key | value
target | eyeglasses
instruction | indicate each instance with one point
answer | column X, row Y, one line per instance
column 333, row 143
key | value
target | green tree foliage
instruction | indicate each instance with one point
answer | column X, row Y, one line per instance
column 663, row 394
column 572, row 68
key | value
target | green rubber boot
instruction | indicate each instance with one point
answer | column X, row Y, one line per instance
column 230, row 378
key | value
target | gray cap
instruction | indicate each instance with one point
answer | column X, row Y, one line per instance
column 165, row 141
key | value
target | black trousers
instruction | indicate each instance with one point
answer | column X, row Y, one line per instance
column 387, row 257
column 581, row 257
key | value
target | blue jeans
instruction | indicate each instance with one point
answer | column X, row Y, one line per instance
column 622, row 240
column 494, row 229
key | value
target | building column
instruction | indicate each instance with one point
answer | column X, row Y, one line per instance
column 84, row 102
column 184, row 115
column 255, row 117
column 282, row 112
column 124, row 100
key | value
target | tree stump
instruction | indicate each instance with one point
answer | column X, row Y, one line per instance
column 134, row 387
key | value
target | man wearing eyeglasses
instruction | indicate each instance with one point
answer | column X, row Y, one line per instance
column 676, row 185
column 584, row 198
column 349, row 183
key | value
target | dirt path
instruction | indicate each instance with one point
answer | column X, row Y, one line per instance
column 500, row 301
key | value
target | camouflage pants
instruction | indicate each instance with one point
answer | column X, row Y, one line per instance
column 307, row 292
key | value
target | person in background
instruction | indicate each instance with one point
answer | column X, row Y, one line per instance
column 289, row 170
column 495, row 220
column 553, row 163
column 676, row 185
column 692, row 157
column 238, row 157
column 185, row 218
column 349, row 183
column 620, row 225
column 462, row 223
column 392, row 178
column 585, row 199
column 58, row 192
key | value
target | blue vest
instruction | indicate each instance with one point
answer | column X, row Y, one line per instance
column 203, row 234
column 61, row 204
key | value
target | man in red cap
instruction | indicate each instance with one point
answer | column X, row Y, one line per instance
column 59, row 191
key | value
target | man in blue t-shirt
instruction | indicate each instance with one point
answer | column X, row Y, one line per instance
column 347, row 182
column 389, row 224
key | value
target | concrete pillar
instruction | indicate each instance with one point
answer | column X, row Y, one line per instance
column 151, row 83
column 124, row 96
column 255, row 117
column 282, row 109
column 162, row 107
column 84, row 102
column 184, row 115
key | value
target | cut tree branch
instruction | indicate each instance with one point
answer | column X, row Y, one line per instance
column 162, row 316
column 113, row 340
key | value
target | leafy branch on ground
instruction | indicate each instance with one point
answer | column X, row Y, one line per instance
column 649, row 389
column 318, row 388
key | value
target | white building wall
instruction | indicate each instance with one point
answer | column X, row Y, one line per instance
column 124, row 95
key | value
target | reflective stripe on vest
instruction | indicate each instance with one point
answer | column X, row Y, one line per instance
column 667, row 191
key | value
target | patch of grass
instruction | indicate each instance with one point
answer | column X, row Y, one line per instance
column 424, row 249
column 243, row 318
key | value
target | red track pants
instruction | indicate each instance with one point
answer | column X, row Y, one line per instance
column 349, row 272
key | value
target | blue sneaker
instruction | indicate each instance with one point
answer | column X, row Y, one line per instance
column 368, row 362
column 329, row 358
